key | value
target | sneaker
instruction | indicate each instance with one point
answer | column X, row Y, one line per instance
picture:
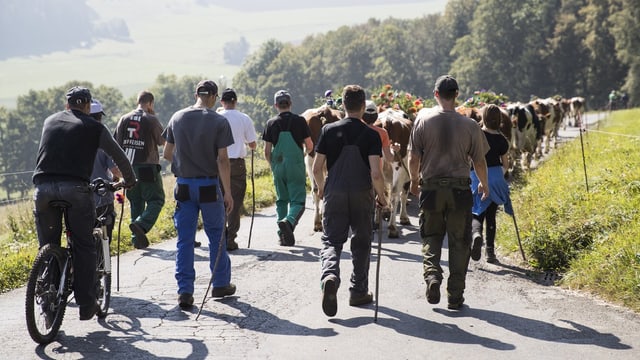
column 476, row 246
column 232, row 245
column 185, row 300
column 491, row 256
column 433, row 290
column 286, row 230
column 222, row 291
column 88, row 311
column 141, row 238
column 455, row 304
column 360, row 299
column 197, row 244
column 329, row 299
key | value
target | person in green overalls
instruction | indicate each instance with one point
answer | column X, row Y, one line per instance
column 284, row 136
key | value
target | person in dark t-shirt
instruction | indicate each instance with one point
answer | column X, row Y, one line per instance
column 68, row 146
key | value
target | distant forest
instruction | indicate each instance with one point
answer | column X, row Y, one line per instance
column 519, row 49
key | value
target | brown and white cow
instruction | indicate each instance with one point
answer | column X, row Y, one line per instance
column 398, row 127
column 527, row 132
column 577, row 109
column 316, row 119
column 549, row 113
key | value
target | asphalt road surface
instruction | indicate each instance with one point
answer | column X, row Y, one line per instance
column 276, row 312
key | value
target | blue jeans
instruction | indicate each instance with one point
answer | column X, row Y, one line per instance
column 82, row 217
column 195, row 195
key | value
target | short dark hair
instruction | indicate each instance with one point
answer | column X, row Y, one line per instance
column 145, row 97
column 353, row 97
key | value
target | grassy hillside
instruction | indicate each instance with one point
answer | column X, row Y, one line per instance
column 591, row 237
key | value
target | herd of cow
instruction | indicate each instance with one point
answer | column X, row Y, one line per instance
column 531, row 128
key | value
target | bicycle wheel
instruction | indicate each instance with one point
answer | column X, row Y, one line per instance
column 45, row 302
column 103, row 280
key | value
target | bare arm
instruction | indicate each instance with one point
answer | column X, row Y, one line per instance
column 267, row 151
column 167, row 153
column 480, row 166
column 414, row 173
column 224, row 171
column 377, row 178
column 505, row 163
column 116, row 172
column 318, row 172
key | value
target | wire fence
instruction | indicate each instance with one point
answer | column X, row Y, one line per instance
column 16, row 191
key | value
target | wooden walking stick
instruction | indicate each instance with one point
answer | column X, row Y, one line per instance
column 120, row 199
column 381, row 215
column 215, row 266
column 518, row 235
column 253, row 202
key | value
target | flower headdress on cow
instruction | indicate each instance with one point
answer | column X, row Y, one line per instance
column 386, row 97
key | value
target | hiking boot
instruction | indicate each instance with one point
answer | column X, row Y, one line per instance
column 232, row 245
column 455, row 303
column 88, row 311
column 433, row 290
column 329, row 299
column 286, row 232
column 357, row 299
column 222, row 291
column 185, row 300
column 141, row 241
column 197, row 244
column 476, row 246
column 491, row 256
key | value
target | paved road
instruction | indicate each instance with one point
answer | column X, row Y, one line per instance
column 276, row 312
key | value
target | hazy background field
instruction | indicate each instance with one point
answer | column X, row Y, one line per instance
column 182, row 37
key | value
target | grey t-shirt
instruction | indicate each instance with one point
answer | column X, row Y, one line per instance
column 446, row 142
column 197, row 135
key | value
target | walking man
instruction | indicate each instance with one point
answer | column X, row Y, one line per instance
column 284, row 136
column 104, row 168
column 441, row 145
column 68, row 146
column 352, row 152
column 139, row 134
column 197, row 140
column 243, row 134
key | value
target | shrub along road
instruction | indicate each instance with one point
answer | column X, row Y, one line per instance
column 276, row 312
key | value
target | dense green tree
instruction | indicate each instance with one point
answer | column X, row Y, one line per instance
column 172, row 94
column 625, row 28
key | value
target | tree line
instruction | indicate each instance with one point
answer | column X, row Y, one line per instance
column 517, row 49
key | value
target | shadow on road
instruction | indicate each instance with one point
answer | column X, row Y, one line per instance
column 540, row 330
column 410, row 325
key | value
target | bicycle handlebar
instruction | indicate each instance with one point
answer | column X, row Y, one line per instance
column 101, row 186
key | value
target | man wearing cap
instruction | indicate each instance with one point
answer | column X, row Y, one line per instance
column 104, row 168
column 197, row 140
column 284, row 136
column 243, row 134
column 442, row 145
column 68, row 146
column 369, row 117
column 139, row 134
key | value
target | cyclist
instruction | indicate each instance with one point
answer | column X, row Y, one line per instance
column 68, row 146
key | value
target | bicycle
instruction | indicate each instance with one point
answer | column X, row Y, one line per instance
column 51, row 276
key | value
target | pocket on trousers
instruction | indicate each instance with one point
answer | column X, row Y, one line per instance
column 463, row 199
column 208, row 194
column 428, row 199
column 181, row 192
column 146, row 174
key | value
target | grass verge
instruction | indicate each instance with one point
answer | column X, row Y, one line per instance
column 591, row 238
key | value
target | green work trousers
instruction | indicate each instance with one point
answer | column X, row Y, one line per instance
column 289, row 178
column 147, row 197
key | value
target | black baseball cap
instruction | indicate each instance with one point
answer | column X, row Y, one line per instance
column 207, row 87
column 228, row 95
column 446, row 83
column 78, row 95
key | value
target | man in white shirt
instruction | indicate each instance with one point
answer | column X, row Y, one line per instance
column 244, row 134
